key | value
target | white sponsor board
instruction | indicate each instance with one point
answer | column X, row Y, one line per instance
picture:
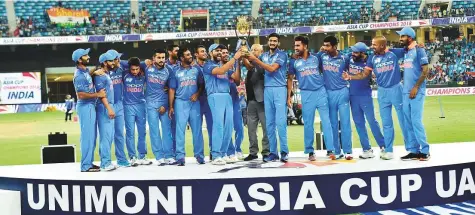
column 42, row 40
column 449, row 91
column 20, row 88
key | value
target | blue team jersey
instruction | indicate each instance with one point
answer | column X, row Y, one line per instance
column 215, row 83
column 307, row 72
column 333, row 68
column 105, row 82
column 83, row 83
column 233, row 87
column 414, row 59
column 359, row 87
column 172, row 66
column 185, row 81
column 385, row 68
column 134, row 89
column 117, row 76
column 200, row 70
column 157, row 80
column 277, row 78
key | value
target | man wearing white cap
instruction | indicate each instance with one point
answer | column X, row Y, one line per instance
column 361, row 101
column 87, row 97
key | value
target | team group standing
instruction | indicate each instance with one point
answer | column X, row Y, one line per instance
column 172, row 93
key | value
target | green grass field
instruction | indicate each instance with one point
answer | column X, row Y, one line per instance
column 21, row 135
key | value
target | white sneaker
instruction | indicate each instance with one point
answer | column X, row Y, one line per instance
column 109, row 168
column 171, row 161
column 382, row 153
column 144, row 161
column 134, row 162
column 161, row 162
column 218, row 161
column 367, row 154
column 230, row 159
column 240, row 156
column 387, row 156
column 349, row 156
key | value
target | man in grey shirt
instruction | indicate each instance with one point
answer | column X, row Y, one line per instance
column 255, row 106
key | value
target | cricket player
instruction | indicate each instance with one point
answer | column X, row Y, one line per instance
column 333, row 64
column 314, row 96
column 156, row 98
column 185, row 88
column 105, row 111
column 201, row 56
column 274, row 62
column 117, row 75
column 234, row 152
column 361, row 101
column 385, row 66
column 87, row 97
column 134, row 108
column 217, row 77
column 414, row 89
column 172, row 62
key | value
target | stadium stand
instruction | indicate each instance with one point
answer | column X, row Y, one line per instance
column 160, row 16
column 402, row 10
column 463, row 8
column 32, row 19
column 3, row 20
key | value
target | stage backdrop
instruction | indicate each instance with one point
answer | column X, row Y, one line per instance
column 20, row 88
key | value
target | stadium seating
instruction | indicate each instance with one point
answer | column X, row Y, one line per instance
column 403, row 10
column 159, row 16
column 302, row 12
column 3, row 20
column 464, row 4
column 36, row 10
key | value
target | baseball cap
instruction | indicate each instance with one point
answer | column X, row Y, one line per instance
column 79, row 53
column 105, row 57
column 215, row 46
column 359, row 47
column 408, row 31
column 114, row 53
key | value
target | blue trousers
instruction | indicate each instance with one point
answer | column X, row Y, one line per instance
column 161, row 144
column 87, row 122
column 340, row 108
column 362, row 106
column 221, row 108
column 238, row 129
column 413, row 109
column 106, row 134
column 387, row 98
column 187, row 111
column 275, row 108
column 173, row 126
column 135, row 115
column 119, row 124
column 312, row 101
column 206, row 112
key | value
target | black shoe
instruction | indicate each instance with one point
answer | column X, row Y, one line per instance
column 210, row 157
column 424, row 157
column 250, row 157
column 329, row 153
column 95, row 167
column 264, row 157
column 411, row 156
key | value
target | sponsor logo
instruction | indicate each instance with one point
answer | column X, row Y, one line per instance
column 113, row 38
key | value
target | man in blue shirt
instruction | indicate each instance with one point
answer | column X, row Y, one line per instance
column 201, row 56
column 117, row 75
column 216, row 77
column 274, row 62
column 156, row 97
column 234, row 152
column 333, row 64
column 414, row 89
column 69, row 107
column 185, row 88
column 313, row 95
column 385, row 67
column 172, row 62
column 105, row 111
column 87, row 96
column 361, row 101
column 134, row 108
